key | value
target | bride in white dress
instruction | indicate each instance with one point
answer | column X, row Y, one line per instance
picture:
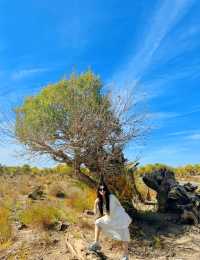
column 113, row 220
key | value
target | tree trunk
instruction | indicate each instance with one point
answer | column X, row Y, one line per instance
column 83, row 177
column 86, row 179
column 173, row 196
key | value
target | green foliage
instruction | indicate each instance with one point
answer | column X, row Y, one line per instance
column 63, row 169
column 54, row 109
column 148, row 168
column 73, row 123
column 188, row 170
column 182, row 171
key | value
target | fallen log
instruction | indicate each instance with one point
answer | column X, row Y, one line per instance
column 174, row 197
column 148, row 202
column 74, row 252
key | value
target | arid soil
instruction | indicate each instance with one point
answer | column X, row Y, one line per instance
column 152, row 238
column 153, row 235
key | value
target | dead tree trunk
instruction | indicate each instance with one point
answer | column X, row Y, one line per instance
column 174, row 197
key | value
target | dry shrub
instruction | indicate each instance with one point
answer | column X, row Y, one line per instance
column 143, row 189
column 122, row 186
column 5, row 225
column 43, row 180
column 5, row 245
column 74, row 192
column 81, row 200
column 72, row 216
column 21, row 254
column 83, row 224
column 6, row 189
column 90, row 196
column 63, row 169
column 40, row 215
column 24, row 185
column 57, row 188
column 77, row 203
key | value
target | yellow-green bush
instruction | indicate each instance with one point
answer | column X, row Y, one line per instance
column 40, row 214
column 82, row 200
column 5, row 225
column 63, row 169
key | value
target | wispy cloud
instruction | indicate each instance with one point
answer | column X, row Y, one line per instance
column 193, row 136
column 160, row 26
column 159, row 119
column 187, row 113
column 162, row 115
column 24, row 73
column 12, row 78
column 162, row 21
column 172, row 154
column 181, row 133
column 183, row 150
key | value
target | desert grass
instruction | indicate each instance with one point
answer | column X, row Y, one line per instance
column 5, row 225
column 143, row 189
column 81, row 200
column 40, row 215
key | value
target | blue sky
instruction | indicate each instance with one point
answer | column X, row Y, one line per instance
column 153, row 44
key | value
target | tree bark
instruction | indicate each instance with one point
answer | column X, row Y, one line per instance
column 174, row 197
column 86, row 179
column 83, row 177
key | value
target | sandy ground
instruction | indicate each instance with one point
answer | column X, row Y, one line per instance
column 152, row 237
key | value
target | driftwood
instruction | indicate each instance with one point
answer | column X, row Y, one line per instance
column 174, row 197
column 75, row 253
column 78, row 248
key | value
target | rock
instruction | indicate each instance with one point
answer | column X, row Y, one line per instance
column 61, row 195
column 190, row 187
column 89, row 212
column 22, row 226
column 55, row 241
column 64, row 226
column 56, row 226
column 37, row 194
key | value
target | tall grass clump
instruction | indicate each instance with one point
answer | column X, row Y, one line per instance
column 40, row 215
column 80, row 200
column 5, row 225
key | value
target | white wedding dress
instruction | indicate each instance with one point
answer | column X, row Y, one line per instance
column 116, row 224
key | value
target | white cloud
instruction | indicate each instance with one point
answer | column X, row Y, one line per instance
column 163, row 20
column 194, row 136
column 180, row 133
column 162, row 115
column 23, row 73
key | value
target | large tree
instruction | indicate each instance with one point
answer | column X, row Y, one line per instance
column 74, row 123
